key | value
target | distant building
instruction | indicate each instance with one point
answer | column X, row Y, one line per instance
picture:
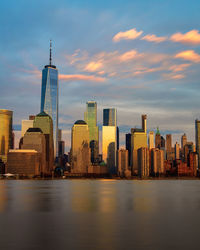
column 151, row 140
column 45, row 123
column 197, row 139
column 177, row 151
column 157, row 162
column 143, row 162
column 109, row 139
column 23, row 162
column 90, row 117
column 138, row 140
column 123, row 169
column 26, row 124
column 183, row 140
column 49, row 97
column 35, row 139
column 158, row 139
column 168, row 143
column 162, row 142
column 80, row 151
column 128, row 147
column 6, row 137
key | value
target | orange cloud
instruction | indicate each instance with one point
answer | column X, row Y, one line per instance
column 128, row 55
column 127, row 35
column 80, row 77
column 191, row 37
column 93, row 66
column 154, row 38
column 189, row 55
column 180, row 67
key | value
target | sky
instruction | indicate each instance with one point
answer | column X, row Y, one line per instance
column 140, row 57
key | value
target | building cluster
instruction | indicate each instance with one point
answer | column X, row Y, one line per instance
column 41, row 150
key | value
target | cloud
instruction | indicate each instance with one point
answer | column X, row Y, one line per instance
column 127, row 35
column 180, row 67
column 129, row 55
column 172, row 76
column 154, row 38
column 189, row 55
column 93, row 66
column 192, row 37
column 80, row 77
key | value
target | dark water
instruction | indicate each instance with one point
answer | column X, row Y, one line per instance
column 100, row 214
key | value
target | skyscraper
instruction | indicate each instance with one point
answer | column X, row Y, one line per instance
column 6, row 137
column 90, row 117
column 158, row 139
column 49, row 97
column 183, row 140
column 151, row 140
column 109, row 138
column 80, row 149
column 197, row 139
column 168, row 142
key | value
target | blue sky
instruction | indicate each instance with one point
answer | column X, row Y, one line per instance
column 138, row 56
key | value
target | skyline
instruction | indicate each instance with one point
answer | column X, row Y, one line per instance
column 94, row 45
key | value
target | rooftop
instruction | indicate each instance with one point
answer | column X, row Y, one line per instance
column 80, row 122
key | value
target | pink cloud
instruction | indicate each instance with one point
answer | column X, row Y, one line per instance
column 127, row 35
column 189, row 55
column 129, row 55
column 180, row 67
column 80, row 77
column 154, row 38
column 93, row 66
column 192, row 37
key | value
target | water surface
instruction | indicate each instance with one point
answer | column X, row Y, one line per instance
column 99, row 214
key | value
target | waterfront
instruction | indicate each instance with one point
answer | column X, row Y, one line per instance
column 99, row 214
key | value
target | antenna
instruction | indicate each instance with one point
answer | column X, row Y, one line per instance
column 50, row 59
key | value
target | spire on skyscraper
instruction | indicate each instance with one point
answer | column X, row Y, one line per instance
column 50, row 59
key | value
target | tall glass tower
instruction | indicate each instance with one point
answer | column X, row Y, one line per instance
column 90, row 117
column 49, row 97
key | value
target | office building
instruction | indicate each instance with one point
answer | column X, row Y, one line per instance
column 158, row 139
column 128, row 147
column 143, row 162
column 26, row 124
column 24, row 162
column 177, row 151
column 109, row 138
column 138, row 140
column 90, row 117
column 45, row 123
column 35, row 139
column 6, row 137
column 80, row 149
column 183, row 140
column 151, row 140
column 168, row 142
column 123, row 170
column 49, row 97
column 157, row 162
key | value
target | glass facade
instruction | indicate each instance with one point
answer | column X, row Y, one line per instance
column 109, row 117
column 90, row 117
column 49, row 98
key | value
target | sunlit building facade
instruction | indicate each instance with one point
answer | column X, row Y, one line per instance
column 90, row 117
column 109, row 138
column 26, row 124
column 151, row 140
column 6, row 137
column 80, row 150
column 49, row 97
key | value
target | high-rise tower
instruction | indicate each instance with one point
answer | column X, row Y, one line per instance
column 90, row 117
column 197, row 139
column 49, row 96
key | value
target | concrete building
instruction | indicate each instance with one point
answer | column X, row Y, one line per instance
column 45, row 123
column 123, row 167
column 35, row 139
column 151, row 140
column 90, row 117
column 158, row 139
column 6, row 138
column 143, row 162
column 177, row 151
column 109, row 139
column 157, row 162
column 24, row 162
column 26, row 124
column 138, row 140
column 80, row 151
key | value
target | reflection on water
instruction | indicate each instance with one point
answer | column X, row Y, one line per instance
column 99, row 214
